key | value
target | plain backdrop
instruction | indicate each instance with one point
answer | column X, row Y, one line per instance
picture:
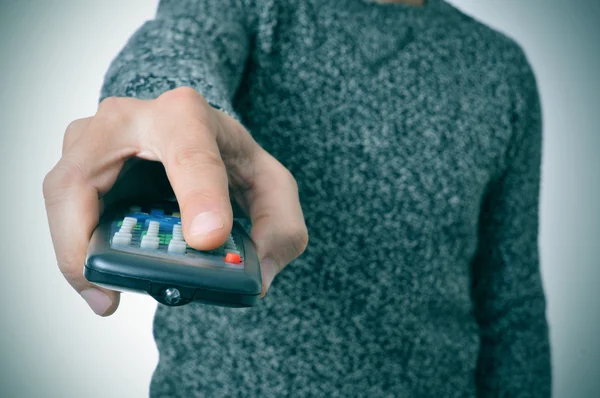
column 53, row 55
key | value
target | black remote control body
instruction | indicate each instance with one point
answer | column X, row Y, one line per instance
column 141, row 248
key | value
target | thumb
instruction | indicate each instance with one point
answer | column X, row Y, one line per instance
column 278, row 228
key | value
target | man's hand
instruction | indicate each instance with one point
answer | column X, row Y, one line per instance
column 205, row 154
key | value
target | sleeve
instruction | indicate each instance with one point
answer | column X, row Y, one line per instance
column 203, row 44
column 510, row 306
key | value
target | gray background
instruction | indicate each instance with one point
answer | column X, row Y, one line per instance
column 53, row 55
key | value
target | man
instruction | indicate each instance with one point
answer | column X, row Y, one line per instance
column 413, row 136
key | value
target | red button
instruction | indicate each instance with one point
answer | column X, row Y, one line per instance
column 233, row 258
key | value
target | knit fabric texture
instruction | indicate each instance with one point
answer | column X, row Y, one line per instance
column 414, row 134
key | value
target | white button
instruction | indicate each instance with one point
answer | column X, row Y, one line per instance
column 149, row 242
column 230, row 244
column 128, row 220
column 177, row 234
column 122, row 238
column 128, row 224
column 153, row 228
column 176, row 246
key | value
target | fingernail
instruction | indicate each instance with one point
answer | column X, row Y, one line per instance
column 269, row 271
column 97, row 300
column 205, row 223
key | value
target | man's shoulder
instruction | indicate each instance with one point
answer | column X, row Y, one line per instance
column 492, row 47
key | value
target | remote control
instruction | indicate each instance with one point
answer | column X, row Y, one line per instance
column 141, row 248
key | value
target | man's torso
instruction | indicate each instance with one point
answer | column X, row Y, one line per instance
column 393, row 121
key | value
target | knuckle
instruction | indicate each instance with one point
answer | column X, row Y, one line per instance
column 48, row 184
column 111, row 104
column 279, row 171
column 71, row 269
column 71, row 133
column 113, row 110
column 71, row 128
column 61, row 177
column 191, row 156
column 185, row 93
column 188, row 101
column 298, row 238
column 288, row 178
column 197, row 195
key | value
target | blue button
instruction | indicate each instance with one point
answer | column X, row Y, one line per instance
column 157, row 212
column 166, row 223
column 141, row 217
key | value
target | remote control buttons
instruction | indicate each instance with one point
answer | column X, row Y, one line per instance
column 177, row 244
column 153, row 228
column 124, row 235
column 151, row 240
column 233, row 258
column 177, row 232
column 129, row 222
column 232, row 255
column 230, row 244
column 122, row 238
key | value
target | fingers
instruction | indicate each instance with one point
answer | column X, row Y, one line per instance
column 192, row 160
column 93, row 155
column 204, row 153
column 278, row 228
column 73, row 132
column 199, row 180
column 72, row 206
column 268, row 193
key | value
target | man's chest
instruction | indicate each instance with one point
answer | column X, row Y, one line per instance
column 381, row 117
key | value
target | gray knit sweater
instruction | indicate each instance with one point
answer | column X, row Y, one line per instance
column 415, row 138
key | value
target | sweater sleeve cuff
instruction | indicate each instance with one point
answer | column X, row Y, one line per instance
column 149, row 86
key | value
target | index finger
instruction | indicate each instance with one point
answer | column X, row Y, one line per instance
column 186, row 144
column 199, row 180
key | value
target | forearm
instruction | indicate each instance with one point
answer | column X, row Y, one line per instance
column 204, row 46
